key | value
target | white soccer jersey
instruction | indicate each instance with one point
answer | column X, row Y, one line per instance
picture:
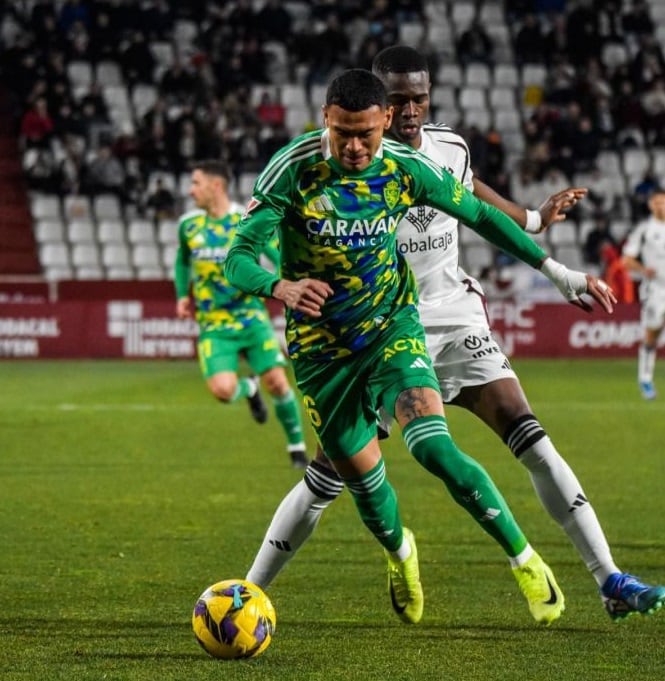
column 647, row 242
column 428, row 239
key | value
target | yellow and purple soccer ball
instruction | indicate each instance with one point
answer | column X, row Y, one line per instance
column 234, row 619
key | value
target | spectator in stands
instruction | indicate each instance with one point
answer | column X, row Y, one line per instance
column 475, row 45
column 161, row 202
column 104, row 173
column 639, row 199
column 326, row 51
column 636, row 20
column 158, row 16
column 270, row 111
column 647, row 64
column 629, row 115
column 105, row 37
column 530, row 41
column 37, row 125
column 653, row 103
column 274, row 22
column 137, row 60
column 555, row 44
column 41, row 170
column 179, row 84
column 582, row 33
column 597, row 237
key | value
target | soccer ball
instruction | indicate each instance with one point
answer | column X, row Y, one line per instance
column 234, row 619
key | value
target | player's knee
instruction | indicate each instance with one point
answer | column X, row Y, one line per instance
column 276, row 382
column 223, row 388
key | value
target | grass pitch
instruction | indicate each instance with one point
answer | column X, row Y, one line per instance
column 126, row 490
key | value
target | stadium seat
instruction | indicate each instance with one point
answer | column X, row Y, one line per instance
column 108, row 73
column 81, row 232
column 480, row 118
column 635, row 162
column 462, row 13
column 168, row 257
column 77, row 207
column 48, row 230
column 563, row 234
column 115, row 255
column 143, row 98
column 57, row 273
column 54, row 255
column 570, row 256
column 111, row 231
column 80, row 73
column 146, row 256
column 472, row 98
column 45, row 206
column 475, row 257
column 106, row 207
column 534, row 74
column 502, row 97
column 411, row 33
column 167, row 232
column 85, row 256
column 507, row 120
column 506, row 75
column 293, row 95
column 477, row 75
column 297, row 119
column 116, row 273
column 491, row 13
column 141, row 232
column 449, row 73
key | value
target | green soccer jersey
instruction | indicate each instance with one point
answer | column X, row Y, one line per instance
column 202, row 249
column 340, row 227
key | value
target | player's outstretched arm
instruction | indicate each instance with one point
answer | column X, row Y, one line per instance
column 574, row 284
column 553, row 209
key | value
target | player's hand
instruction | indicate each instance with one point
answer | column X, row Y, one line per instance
column 554, row 209
column 306, row 295
column 183, row 308
column 600, row 292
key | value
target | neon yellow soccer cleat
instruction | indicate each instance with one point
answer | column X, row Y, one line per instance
column 540, row 589
column 406, row 592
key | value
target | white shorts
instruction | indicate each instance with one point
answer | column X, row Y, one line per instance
column 653, row 312
column 466, row 356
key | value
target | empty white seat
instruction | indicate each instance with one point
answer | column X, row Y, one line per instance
column 635, row 161
column 411, row 33
column 149, row 272
column 534, row 74
column 472, row 98
column 477, row 256
column 80, row 73
column 146, row 255
column 563, row 234
column 119, row 273
column 297, row 119
column 54, row 255
column 49, row 230
column 168, row 257
column 44, row 206
column 108, row 73
column 502, row 97
column 292, row 94
column 143, row 98
column 507, row 120
column 89, row 273
column 571, row 256
column 85, row 255
column 57, row 273
column 141, row 232
column 478, row 75
column 449, row 74
column 111, row 231
column 506, row 75
column 76, row 207
column 167, row 232
column 115, row 255
column 107, row 207
column 443, row 96
column 81, row 231
column 480, row 118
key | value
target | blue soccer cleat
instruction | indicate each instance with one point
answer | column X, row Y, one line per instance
column 647, row 390
column 625, row 595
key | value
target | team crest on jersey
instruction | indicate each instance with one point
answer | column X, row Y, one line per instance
column 391, row 194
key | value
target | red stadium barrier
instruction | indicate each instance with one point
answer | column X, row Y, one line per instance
column 136, row 319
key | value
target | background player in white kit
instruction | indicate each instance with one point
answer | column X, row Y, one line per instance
column 472, row 370
column 644, row 253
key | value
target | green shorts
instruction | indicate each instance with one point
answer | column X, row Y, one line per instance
column 341, row 397
column 221, row 350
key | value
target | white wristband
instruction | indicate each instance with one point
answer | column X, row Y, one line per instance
column 534, row 221
column 571, row 283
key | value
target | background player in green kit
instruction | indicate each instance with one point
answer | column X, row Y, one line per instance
column 232, row 323
column 354, row 335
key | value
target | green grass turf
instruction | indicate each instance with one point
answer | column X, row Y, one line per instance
column 126, row 490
